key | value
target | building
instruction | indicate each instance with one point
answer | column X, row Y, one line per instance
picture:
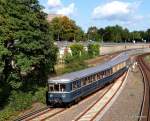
column 50, row 17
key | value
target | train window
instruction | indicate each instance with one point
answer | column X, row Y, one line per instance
column 83, row 81
column 51, row 87
column 62, row 87
column 96, row 77
column 99, row 75
column 103, row 74
column 92, row 78
column 111, row 71
column 74, row 85
column 88, row 80
column 56, row 87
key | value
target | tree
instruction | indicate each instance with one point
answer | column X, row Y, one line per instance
column 77, row 49
column 64, row 28
column 27, row 51
column 135, row 35
column 93, row 49
column 93, row 34
column 116, row 34
column 125, row 35
column 148, row 35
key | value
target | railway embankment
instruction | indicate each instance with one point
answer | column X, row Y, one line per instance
column 128, row 104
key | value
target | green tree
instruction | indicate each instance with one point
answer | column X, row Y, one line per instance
column 77, row 49
column 93, row 49
column 64, row 28
column 125, row 35
column 113, row 33
column 135, row 35
column 93, row 34
column 148, row 35
column 27, row 51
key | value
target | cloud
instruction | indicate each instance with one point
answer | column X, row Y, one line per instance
column 54, row 3
column 68, row 10
column 117, row 11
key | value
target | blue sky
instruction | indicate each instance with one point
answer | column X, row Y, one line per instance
column 133, row 14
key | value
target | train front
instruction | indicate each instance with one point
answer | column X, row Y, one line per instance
column 58, row 92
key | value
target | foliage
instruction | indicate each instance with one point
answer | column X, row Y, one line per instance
column 117, row 34
column 93, row 34
column 93, row 49
column 6, row 114
column 74, row 66
column 40, row 95
column 25, row 40
column 135, row 35
column 27, row 55
column 75, row 61
column 77, row 49
column 64, row 28
column 20, row 101
column 27, row 50
column 113, row 33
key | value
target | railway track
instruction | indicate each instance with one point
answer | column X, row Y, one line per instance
column 48, row 113
column 85, row 117
column 145, row 70
column 33, row 114
column 41, row 112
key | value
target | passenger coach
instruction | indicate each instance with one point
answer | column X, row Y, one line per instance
column 72, row 87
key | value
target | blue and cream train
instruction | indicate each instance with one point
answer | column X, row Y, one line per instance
column 72, row 87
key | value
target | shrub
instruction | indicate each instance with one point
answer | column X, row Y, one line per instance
column 69, row 58
column 40, row 95
column 77, row 49
column 74, row 66
column 20, row 101
column 6, row 113
column 93, row 49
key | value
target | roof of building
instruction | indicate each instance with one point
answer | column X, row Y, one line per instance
column 51, row 16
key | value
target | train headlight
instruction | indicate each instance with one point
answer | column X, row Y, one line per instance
column 63, row 95
column 51, row 95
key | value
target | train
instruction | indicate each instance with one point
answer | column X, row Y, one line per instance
column 70, row 88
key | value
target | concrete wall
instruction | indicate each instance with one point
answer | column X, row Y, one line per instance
column 107, row 49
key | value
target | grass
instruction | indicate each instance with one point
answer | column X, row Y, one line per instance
column 20, row 101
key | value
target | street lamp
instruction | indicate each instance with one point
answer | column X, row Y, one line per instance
column 58, row 37
column 103, row 36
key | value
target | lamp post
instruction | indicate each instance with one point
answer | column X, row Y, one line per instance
column 103, row 36
column 58, row 37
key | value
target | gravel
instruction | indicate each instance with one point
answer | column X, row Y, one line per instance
column 127, row 105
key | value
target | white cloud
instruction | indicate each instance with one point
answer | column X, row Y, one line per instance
column 116, row 11
column 68, row 10
column 54, row 3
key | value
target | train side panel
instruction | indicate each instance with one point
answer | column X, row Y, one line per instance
column 72, row 95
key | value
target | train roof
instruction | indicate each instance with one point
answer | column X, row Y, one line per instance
column 83, row 73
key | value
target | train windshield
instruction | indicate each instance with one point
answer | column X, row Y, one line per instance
column 57, row 87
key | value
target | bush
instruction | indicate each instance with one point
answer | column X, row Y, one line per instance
column 6, row 113
column 69, row 58
column 77, row 49
column 40, row 95
column 74, row 66
column 20, row 101
column 93, row 49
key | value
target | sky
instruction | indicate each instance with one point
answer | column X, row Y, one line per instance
column 131, row 14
